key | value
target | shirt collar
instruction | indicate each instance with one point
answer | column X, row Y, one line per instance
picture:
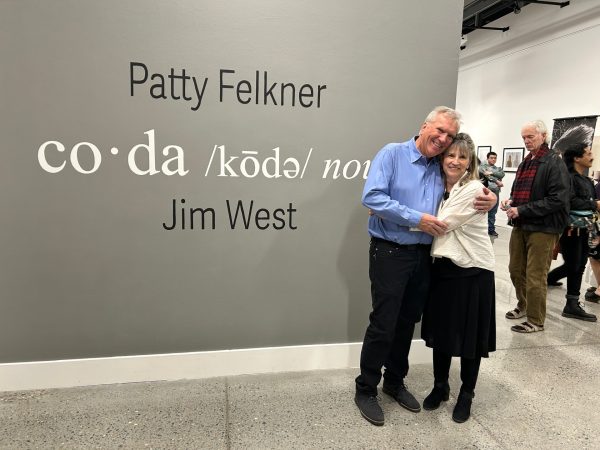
column 416, row 155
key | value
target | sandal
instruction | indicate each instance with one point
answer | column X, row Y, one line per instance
column 515, row 314
column 527, row 327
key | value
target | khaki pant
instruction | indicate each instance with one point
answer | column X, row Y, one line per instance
column 530, row 257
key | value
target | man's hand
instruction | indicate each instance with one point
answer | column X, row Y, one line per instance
column 486, row 201
column 499, row 183
column 431, row 225
column 512, row 213
column 505, row 204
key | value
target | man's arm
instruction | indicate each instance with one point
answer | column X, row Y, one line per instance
column 376, row 197
column 482, row 170
column 376, row 193
column 498, row 173
column 486, row 201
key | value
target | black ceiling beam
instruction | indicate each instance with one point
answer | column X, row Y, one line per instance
column 561, row 4
column 479, row 13
column 478, row 6
column 503, row 29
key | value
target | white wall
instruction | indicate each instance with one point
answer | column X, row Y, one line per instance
column 545, row 67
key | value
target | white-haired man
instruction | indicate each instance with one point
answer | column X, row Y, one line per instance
column 538, row 212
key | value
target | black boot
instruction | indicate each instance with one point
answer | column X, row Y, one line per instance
column 440, row 392
column 574, row 310
column 462, row 410
column 591, row 296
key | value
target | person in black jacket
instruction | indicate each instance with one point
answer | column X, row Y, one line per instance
column 538, row 211
column 574, row 240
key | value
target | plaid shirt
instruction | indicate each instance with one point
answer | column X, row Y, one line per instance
column 524, row 178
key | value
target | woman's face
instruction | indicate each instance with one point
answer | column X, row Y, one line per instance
column 454, row 163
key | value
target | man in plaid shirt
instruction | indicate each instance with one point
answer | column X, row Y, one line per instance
column 538, row 212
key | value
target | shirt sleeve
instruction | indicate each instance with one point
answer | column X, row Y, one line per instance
column 498, row 173
column 376, row 194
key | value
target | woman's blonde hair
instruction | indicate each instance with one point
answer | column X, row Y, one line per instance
column 466, row 147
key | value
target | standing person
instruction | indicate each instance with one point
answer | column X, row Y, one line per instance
column 493, row 175
column 574, row 244
column 537, row 210
column 593, row 292
column 403, row 190
column 460, row 319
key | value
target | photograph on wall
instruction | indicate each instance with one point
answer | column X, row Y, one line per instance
column 572, row 130
column 482, row 152
column 512, row 157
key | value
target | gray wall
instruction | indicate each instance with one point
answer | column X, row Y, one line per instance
column 87, row 268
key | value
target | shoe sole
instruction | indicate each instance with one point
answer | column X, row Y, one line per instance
column 404, row 405
column 586, row 319
column 459, row 421
column 377, row 423
column 433, row 408
column 438, row 405
column 525, row 330
column 374, row 422
column 515, row 317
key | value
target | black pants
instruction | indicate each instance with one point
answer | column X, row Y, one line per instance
column 399, row 285
column 575, row 250
column 469, row 370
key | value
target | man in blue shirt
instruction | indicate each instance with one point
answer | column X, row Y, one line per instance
column 403, row 191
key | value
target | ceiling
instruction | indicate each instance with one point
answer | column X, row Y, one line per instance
column 480, row 13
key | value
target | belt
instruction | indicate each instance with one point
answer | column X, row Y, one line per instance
column 403, row 246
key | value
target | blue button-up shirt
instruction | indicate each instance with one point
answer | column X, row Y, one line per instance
column 402, row 185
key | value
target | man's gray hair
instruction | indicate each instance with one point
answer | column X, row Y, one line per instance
column 446, row 111
column 539, row 126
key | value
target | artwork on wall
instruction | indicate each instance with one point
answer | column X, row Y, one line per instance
column 482, row 152
column 572, row 130
column 511, row 158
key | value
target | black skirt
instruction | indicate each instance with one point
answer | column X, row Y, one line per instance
column 460, row 317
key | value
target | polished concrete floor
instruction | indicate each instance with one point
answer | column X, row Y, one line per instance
column 536, row 391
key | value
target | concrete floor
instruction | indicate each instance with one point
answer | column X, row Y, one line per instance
column 536, row 391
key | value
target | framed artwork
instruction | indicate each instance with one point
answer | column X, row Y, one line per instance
column 482, row 152
column 512, row 157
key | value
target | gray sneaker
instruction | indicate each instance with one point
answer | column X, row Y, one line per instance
column 369, row 408
column 402, row 396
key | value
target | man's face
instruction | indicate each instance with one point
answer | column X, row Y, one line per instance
column 436, row 136
column 532, row 138
column 587, row 159
column 492, row 159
